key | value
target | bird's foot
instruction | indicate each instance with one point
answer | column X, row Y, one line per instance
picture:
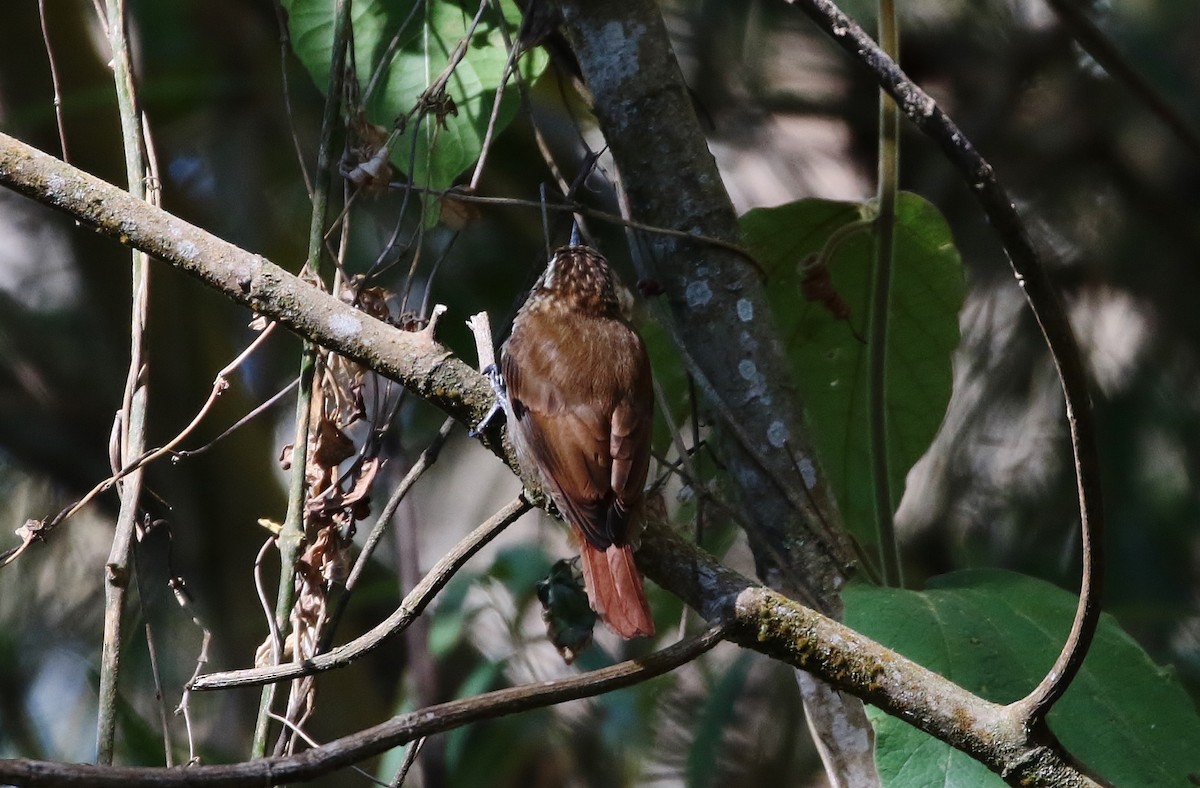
column 493, row 375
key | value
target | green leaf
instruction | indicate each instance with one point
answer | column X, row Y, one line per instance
column 996, row 633
column 828, row 354
column 431, row 152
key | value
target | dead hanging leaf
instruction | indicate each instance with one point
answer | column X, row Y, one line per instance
column 341, row 386
column 328, row 556
column 335, row 505
column 360, row 406
column 330, row 447
column 360, row 491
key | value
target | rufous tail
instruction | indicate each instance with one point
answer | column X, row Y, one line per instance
column 614, row 588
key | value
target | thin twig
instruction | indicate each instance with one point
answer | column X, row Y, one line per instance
column 243, row 421
column 285, row 51
column 54, row 81
column 485, row 348
column 184, row 599
column 159, row 696
column 490, row 132
column 612, row 218
column 1043, row 300
column 385, row 59
column 410, row 757
column 299, row 732
column 409, row 609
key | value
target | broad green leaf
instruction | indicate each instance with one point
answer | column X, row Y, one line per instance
column 829, row 355
column 432, row 151
column 996, row 633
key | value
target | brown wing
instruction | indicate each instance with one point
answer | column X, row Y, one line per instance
column 583, row 409
column 631, row 428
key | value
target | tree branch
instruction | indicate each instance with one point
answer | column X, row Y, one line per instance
column 769, row 622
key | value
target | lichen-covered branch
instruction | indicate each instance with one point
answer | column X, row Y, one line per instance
column 768, row 622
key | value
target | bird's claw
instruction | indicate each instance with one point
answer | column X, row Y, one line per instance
column 493, row 376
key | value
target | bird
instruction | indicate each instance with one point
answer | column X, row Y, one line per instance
column 578, row 396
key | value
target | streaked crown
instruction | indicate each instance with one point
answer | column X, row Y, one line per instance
column 577, row 277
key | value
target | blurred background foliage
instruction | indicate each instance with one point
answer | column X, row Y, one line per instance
column 1110, row 194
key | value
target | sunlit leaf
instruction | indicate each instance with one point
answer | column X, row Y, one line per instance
column 437, row 145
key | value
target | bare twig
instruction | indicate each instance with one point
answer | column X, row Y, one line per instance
column 409, row 609
column 485, row 347
column 160, row 700
column 571, row 206
column 275, row 636
column 58, row 112
column 285, row 52
column 490, row 132
column 1047, row 309
column 184, row 598
column 410, row 758
column 243, row 421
